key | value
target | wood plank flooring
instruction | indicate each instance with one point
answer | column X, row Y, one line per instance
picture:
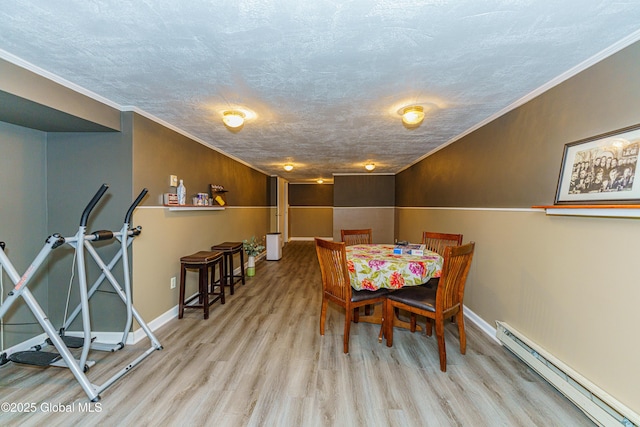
column 259, row 360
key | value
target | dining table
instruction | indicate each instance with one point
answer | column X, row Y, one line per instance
column 376, row 266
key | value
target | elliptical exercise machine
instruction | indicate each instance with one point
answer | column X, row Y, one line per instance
column 81, row 241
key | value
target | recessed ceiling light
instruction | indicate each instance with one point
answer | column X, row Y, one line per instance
column 370, row 166
column 288, row 167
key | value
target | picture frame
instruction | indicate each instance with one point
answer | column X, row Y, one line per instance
column 601, row 169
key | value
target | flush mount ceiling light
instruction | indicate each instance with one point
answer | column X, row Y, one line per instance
column 288, row 167
column 370, row 166
column 412, row 116
column 320, row 181
column 233, row 119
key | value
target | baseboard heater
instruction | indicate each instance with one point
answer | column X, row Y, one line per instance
column 597, row 404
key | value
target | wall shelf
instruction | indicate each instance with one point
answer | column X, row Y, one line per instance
column 193, row 208
column 610, row 211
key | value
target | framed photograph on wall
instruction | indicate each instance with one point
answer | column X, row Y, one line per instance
column 601, row 169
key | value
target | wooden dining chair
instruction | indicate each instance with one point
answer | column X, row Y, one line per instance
column 436, row 242
column 438, row 304
column 356, row 237
column 336, row 285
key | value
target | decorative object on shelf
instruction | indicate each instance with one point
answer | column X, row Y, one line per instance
column 218, row 194
column 201, row 199
column 601, row 169
column 253, row 248
column 182, row 194
column 171, row 199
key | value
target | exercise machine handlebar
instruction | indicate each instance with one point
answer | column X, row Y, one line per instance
column 92, row 204
column 136, row 202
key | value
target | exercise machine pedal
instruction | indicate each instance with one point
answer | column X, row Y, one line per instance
column 70, row 341
column 35, row 358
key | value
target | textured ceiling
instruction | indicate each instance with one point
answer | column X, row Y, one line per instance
column 324, row 78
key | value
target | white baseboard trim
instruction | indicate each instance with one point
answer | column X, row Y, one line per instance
column 480, row 323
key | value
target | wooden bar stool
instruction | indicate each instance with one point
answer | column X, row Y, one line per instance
column 228, row 249
column 201, row 261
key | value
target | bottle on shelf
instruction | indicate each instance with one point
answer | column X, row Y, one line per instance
column 182, row 194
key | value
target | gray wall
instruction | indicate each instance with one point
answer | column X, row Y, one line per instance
column 77, row 165
column 23, row 218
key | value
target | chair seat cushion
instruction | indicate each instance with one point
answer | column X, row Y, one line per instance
column 357, row 296
column 421, row 297
column 432, row 283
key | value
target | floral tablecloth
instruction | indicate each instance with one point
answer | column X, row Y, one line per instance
column 375, row 266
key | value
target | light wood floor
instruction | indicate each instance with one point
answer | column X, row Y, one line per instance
column 259, row 360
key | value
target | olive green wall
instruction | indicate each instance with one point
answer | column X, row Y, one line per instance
column 310, row 194
column 365, row 201
column 352, row 202
column 159, row 152
column 568, row 283
column 168, row 235
column 514, row 161
column 310, row 211
column 306, row 222
column 364, row 190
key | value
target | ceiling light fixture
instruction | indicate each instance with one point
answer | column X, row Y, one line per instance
column 320, row 181
column 412, row 116
column 288, row 167
column 233, row 119
column 370, row 166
